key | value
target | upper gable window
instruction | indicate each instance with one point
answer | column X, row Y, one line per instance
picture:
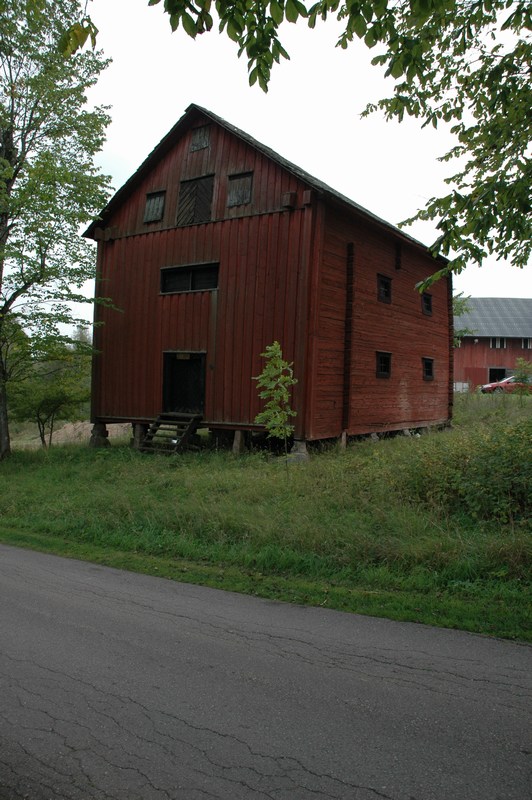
column 426, row 303
column 384, row 289
column 200, row 138
column 195, row 201
column 239, row 189
column 154, row 206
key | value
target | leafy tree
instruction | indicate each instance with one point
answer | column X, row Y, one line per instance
column 57, row 389
column 465, row 63
column 523, row 370
column 275, row 382
column 15, row 350
column 49, row 185
column 460, row 307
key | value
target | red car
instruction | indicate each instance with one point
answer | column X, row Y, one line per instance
column 510, row 384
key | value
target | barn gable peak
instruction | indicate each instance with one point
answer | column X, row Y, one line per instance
column 197, row 117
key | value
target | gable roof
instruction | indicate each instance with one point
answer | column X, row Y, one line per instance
column 168, row 141
column 497, row 316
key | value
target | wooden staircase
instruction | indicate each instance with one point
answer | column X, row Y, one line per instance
column 170, row 432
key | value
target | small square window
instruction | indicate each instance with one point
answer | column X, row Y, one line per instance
column 384, row 289
column 239, row 189
column 383, row 363
column 426, row 303
column 526, row 344
column 428, row 369
column 154, row 206
column 200, row 138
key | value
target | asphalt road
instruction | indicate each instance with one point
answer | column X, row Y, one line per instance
column 121, row 686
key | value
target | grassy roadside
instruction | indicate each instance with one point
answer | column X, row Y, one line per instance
column 434, row 530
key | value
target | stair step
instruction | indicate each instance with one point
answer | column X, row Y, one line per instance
column 170, row 432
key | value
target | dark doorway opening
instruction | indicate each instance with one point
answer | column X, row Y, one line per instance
column 184, row 382
column 496, row 374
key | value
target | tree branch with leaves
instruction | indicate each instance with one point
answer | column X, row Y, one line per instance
column 462, row 63
column 49, row 185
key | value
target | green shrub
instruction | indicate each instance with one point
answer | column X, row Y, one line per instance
column 485, row 473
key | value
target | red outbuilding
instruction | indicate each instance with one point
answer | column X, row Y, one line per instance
column 215, row 248
column 497, row 332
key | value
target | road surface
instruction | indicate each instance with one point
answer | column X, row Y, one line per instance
column 116, row 686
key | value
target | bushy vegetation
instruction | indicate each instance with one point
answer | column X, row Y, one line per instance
column 435, row 528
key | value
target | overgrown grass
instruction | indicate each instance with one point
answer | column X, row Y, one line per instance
column 433, row 529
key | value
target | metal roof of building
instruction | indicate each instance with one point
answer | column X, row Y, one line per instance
column 510, row 317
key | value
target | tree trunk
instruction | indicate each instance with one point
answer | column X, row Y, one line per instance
column 5, row 442
column 42, row 431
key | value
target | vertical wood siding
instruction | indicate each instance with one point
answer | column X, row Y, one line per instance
column 405, row 399
column 259, row 249
column 282, row 275
column 474, row 361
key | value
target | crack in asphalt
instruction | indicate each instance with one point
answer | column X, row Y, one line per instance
column 120, row 736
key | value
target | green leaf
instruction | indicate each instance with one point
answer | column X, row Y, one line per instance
column 359, row 26
column 369, row 38
column 276, row 12
column 291, row 11
column 189, row 25
column 233, row 32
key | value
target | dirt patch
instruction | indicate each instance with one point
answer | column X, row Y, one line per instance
column 81, row 431
column 78, row 433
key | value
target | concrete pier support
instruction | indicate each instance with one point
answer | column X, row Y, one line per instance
column 299, row 451
column 99, row 435
column 139, row 432
column 239, row 443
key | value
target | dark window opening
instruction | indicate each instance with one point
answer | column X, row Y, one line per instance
column 239, row 189
column 428, row 369
column 195, row 201
column 191, row 278
column 498, row 343
column 426, row 303
column 154, row 206
column 383, row 364
column 526, row 344
column 384, row 289
column 200, row 138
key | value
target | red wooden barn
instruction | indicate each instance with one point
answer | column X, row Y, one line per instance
column 498, row 332
column 215, row 248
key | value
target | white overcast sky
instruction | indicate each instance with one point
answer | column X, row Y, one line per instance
column 311, row 116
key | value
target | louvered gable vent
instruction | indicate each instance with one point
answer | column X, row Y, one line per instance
column 195, row 201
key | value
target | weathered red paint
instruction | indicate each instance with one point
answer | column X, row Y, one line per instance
column 282, row 275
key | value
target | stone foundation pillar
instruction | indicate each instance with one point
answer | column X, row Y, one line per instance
column 299, row 451
column 99, row 435
column 139, row 432
column 239, row 443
